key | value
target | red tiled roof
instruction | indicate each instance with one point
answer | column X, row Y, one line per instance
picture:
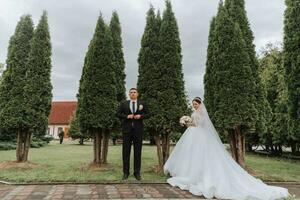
column 61, row 112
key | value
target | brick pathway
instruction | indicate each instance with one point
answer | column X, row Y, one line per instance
column 101, row 191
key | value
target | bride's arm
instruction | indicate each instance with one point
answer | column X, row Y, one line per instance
column 197, row 118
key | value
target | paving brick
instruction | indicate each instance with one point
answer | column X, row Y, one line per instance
column 102, row 191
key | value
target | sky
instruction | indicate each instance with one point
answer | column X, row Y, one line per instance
column 72, row 24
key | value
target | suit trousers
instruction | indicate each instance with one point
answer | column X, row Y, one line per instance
column 136, row 138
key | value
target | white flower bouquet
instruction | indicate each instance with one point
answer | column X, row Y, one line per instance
column 185, row 121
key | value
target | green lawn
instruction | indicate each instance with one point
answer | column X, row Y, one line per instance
column 274, row 169
column 69, row 163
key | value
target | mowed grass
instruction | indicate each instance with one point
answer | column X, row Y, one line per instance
column 69, row 162
column 274, row 169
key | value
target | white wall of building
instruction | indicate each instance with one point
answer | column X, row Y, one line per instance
column 55, row 129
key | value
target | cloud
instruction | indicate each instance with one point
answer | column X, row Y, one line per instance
column 72, row 23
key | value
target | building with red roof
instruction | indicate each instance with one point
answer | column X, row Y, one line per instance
column 60, row 116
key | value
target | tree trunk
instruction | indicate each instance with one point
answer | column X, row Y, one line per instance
column 103, row 145
column 164, row 150
column 233, row 146
column 249, row 147
column 159, row 152
column 294, row 148
column 27, row 146
column 280, row 149
column 238, row 146
column 165, row 146
column 97, row 143
column 244, row 144
column 19, row 146
column 272, row 148
column 168, row 146
column 94, row 146
column 152, row 139
column 106, row 134
column 81, row 140
column 23, row 145
column 241, row 146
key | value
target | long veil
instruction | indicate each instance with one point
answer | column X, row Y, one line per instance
column 208, row 124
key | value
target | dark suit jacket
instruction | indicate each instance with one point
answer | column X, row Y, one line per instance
column 137, row 124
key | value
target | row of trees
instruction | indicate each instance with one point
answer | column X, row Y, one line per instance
column 25, row 87
column 160, row 83
column 279, row 73
column 246, row 97
column 243, row 100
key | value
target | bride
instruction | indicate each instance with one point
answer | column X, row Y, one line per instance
column 200, row 164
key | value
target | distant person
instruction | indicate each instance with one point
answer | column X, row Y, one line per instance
column 61, row 136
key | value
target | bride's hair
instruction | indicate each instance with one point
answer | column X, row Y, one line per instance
column 198, row 100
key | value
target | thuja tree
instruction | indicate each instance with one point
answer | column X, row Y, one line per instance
column 210, row 83
column 149, row 74
column 171, row 97
column 237, row 12
column 97, row 102
column 160, row 80
column 209, row 78
column 12, row 102
column 291, row 56
column 115, row 28
column 234, row 94
column 38, row 88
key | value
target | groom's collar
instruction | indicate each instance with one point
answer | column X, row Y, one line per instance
column 136, row 100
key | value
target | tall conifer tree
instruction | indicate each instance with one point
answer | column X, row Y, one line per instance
column 172, row 99
column 148, row 78
column 160, row 80
column 115, row 28
column 234, row 91
column 12, row 102
column 38, row 89
column 292, row 69
column 209, row 82
column 97, row 91
column 237, row 12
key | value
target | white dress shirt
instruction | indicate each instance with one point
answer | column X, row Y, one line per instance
column 131, row 105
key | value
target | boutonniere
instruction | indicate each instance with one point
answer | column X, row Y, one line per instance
column 141, row 107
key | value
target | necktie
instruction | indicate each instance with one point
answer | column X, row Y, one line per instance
column 133, row 107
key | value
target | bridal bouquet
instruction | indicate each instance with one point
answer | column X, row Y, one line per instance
column 185, row 121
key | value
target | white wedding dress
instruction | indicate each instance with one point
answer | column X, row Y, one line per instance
column 200, row 164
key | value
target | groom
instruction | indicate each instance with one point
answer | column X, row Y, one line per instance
column 132, row 113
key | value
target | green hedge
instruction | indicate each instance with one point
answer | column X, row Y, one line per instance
column 35, row 143
column 7, row 145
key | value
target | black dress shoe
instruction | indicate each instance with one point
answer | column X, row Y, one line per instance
column 125, row 177
column 138, row 177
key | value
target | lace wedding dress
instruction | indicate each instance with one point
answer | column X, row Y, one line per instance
column 200, row 164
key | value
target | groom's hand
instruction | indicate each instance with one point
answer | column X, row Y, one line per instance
column 130, row 116
column 137, row 116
